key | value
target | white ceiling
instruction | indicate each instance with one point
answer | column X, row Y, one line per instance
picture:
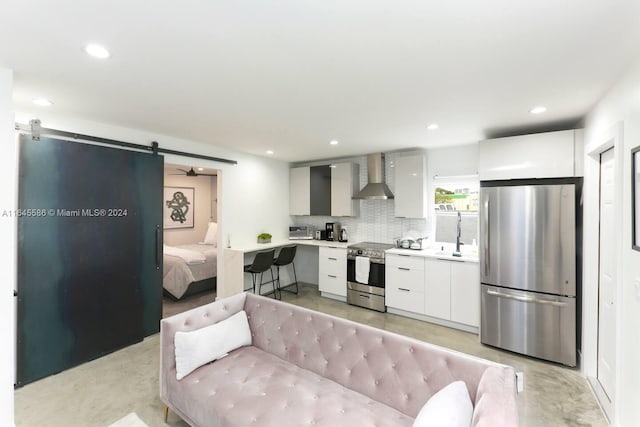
column 290, row 75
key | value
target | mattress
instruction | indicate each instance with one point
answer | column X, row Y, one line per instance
column 177, row 275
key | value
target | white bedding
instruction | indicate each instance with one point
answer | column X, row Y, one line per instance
column 177, row 275
column 189, row 256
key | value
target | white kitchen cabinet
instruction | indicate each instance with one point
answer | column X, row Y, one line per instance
column 438, row 288
column 300, row 191
column 404, row 287
column 465, row 293
column 345, row 182
column 332, row 271
column 410, row 187
column 541, row 155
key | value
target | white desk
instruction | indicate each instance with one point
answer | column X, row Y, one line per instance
column 235, row 258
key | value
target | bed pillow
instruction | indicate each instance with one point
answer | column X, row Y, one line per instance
column 212, row 234
column 199, row 347
column 450, row 407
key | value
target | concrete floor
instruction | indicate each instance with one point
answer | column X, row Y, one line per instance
column 100, row 392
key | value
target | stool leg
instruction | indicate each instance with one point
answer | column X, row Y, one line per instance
column 260, row 286
column 295, row 277
column 295, row 282
column 276, row 286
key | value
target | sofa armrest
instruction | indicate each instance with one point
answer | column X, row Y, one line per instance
column 191, row 320
column 495, row 403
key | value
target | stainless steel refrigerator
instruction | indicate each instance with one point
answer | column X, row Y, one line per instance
column 529, row 263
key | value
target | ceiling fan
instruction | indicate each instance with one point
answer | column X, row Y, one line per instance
column 191, row 172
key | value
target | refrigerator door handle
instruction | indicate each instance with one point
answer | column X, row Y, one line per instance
column 486, row 236
column 526, row 299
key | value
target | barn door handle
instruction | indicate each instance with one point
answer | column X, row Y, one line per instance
column 158, row 247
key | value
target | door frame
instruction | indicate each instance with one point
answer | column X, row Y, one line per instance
column 612, row 138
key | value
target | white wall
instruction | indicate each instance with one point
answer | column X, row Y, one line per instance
column 201, row 205
column 621, row 104
column 254, row 194
column 8, row 192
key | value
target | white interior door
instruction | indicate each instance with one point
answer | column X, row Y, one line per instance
column 607, row 277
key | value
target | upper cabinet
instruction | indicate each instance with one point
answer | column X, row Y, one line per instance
column 324, row 190
column 541, row 155
column 345, row 181
column 300, row 191
column 410, row 187
column 320, row 190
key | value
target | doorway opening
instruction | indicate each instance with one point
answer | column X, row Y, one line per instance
column 190, row 223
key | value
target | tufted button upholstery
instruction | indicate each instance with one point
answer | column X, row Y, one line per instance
column 383, row 366
column 309, row 368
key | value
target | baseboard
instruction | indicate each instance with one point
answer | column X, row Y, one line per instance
column 601, row 397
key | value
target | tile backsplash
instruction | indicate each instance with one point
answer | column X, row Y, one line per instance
column 376, row 222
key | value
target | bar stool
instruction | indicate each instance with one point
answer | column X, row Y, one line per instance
column 285, row 257
column 261, row 263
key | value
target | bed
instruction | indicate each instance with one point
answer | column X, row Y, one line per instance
column 180, row 278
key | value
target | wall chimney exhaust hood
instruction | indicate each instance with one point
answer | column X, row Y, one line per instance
column 375, row 189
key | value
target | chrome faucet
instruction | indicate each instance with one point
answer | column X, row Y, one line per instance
column 458, row 232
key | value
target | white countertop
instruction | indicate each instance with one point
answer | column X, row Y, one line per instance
column 435, row 253
column 279, row 243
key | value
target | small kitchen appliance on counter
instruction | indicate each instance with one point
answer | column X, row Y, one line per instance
column 300, row 232
column 344, row 236
column 320, row 235
column 333, row 231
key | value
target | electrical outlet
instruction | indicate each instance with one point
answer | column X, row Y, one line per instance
column 520, row 381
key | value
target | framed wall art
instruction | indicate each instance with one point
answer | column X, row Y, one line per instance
column 178, row 207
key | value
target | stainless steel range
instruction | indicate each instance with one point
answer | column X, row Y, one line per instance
column 366, row 290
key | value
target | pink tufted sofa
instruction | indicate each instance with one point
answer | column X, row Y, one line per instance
column 306, row 368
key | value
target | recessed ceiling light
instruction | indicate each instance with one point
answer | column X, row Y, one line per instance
column 200, row 169
column 270, row 152
column 433, row 126
column 333, row 142
column 538, row 110
column 97, row 51
column 42, row 102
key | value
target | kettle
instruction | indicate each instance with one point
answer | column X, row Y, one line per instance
column 344, row 236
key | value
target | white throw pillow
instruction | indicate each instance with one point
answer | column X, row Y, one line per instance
column 450, row 407
column 199, row 347
column 212, row 234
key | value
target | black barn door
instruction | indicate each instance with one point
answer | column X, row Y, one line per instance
column 89, row 253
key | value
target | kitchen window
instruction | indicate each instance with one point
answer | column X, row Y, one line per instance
column 453, row 195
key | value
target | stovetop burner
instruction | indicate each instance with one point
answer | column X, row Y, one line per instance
column 372, row 246
column 368, row 249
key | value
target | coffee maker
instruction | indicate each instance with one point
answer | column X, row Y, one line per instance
column 333, row 231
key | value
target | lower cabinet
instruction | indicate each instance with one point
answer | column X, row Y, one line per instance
column 332, row 270
column 438, row 288
column 404, row 277
column 453, row 291
column 441, row 289
column 465, row 293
